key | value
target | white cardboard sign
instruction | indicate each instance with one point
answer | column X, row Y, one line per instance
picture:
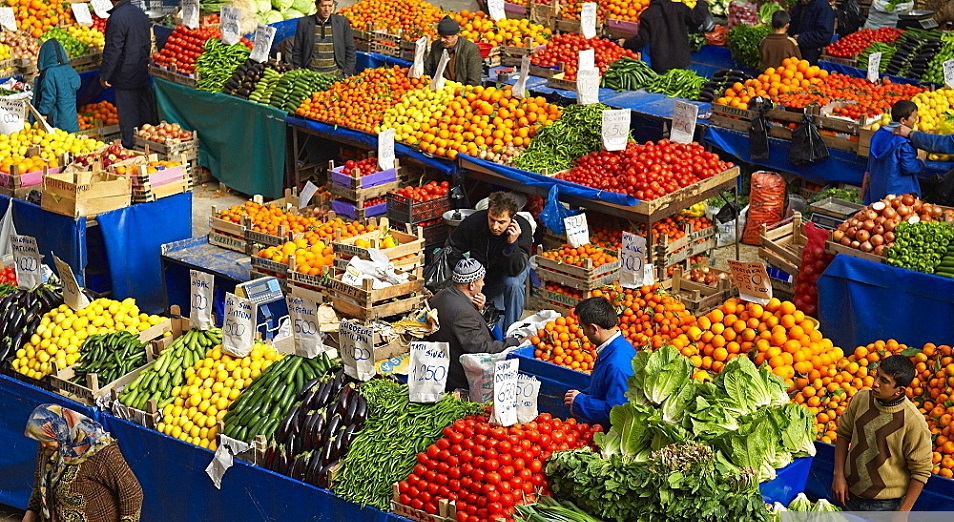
column 7, row 19
column 684, row 117
column 190, row 13
column 27, row 260
column 230, row 20
column 102, row 8
column 303, row 314
column 505, row 392
column 238, row 325
column 577, row 230
column 427, row 376
column 616, row 128
column 496, row 10
column 635, row 272
column 874, row 67
column 588, row 20
column 264, row 36
column 386, row 149
column 356, row 349
column 73, row 295
column 202, row 286
column 528, row 390
column 752, row 281
column 588, row 86
column 82, row 14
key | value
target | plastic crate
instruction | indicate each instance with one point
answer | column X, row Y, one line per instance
column 406, row 210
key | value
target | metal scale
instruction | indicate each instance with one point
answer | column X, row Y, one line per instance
column 272, row 310
column 917, row 19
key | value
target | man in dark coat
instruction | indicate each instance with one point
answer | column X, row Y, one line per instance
column 126, row 67
column 665, row 25
column 812, row 26
column 325, row 25
column 465, row 63
column 462, row 325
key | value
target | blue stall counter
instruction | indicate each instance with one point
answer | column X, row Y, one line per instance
column 788, row 482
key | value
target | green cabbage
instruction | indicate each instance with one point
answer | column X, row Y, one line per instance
column 273, row 16
column 797, row 427
column 824, row 506
column 800, row 503
column 292, row 13
column 305, row 6
column 628, row 436
column 281, row 5
column 263, row 6
column 658, row 375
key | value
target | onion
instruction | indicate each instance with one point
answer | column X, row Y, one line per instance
column 846, row 241
column 890, row 224
column 877, row 230
column 843, row 226
column 855, row 244
column 889, row 237
column 866, row 247
column 896, row 202
column 837, row 235
column 914, row 219
column 917, row 205
column 878, row 250
column 879, row 220
column 890, row 213
column 936, row 211
column 876, row 240
column 868, row 224
column 907, row 199
column 851, row 232
column 879, row 206
column 871, row 214
column 904, row 211
column 863, row 235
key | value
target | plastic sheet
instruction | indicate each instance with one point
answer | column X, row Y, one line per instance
column 788, row 483
column 62, row 235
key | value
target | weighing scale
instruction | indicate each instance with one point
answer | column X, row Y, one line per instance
column 918, row 19
column 266, row 294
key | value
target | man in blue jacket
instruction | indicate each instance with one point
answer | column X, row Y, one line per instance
column 126, row 67
column 812, row 26
column 614, row 364
column 893, row 163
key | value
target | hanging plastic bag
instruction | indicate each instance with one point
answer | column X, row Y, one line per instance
column 528, row 327
column 814, row 261
column 766, row 204
column 554, row 212
column 437, row 275
column 479, row 369
column 758, row 130
column 939, row 189
column 7, row 230
column 725, row 232
column 807, row 144
column 849, row 17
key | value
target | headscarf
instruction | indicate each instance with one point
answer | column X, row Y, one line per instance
column 78, row 436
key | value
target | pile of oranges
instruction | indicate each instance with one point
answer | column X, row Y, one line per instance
column 412, row 18
column 268, row 218
column 310, row 259
column 479, row 27
column 35, row 17
column 793, row 77
column 580, row 255
column 102, row 112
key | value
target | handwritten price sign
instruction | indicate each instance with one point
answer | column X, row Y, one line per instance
column 238, row 327
column 202, row 285
column 427, row 376
column 752, row 280
column 356, row 342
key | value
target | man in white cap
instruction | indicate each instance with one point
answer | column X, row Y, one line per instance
column 462, row 325
column 465, row 63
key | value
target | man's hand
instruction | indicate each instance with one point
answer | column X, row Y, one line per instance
column 903, row 130
column 569, row 397
column 839, row 490
column 513, row 232
column 104, row 83
column 479, row 300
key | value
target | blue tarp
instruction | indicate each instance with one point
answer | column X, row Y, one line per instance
column 861, row 301
column 54, row 233
column 788, row 482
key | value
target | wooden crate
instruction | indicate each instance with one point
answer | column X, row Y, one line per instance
column 355, row 213
column 837, row 248
column 148, row 418
column 87, row 62
column 701, row 298
column 685, row 196
column 620, row 28
column 446, row 512
column 409, row 243
column 558, row 81
column 586, row 277
column 173, row 75
column 851, row 62
column 782, row 244
column 780, row 114
column 545, row 72
column 268, row 267
column 668, row 253
column 366, row 303
column 406, row 210
column 146, row 193
column 85, row 194
column 226, row 234
column 168, row 149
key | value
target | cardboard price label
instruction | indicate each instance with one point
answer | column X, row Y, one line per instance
column 588, row 86
column 752, row 280
column 229, row 23
column 27, row 261
column 520, row 87
column 73, row 295
column 202, row 285
column 577, row 230
column 586, row 59
column 307, row 192
column 949, row 73
column 505, row 392
column 437, row 83
column 264, row 36
column 12, row 114
column 303, row 313
column 684, row 116
column 356, row 343
column 190, row 13
column 427, row 375
column 528, row 390
column 7, row 19
column 616, row 128
column 420, row 49
column 588, row 20
column 635, row 271
column 238, row 326
column 82, row 14
column 386, row 149
column 495, row 8
column 102, row 8
column 874, row 67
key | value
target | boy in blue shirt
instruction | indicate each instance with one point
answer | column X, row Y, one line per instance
column 893, row 163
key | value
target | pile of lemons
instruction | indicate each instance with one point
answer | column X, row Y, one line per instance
column 936, row 113
column 14, row 147
column 415, row 109
column 88, row 35
column 5, row 52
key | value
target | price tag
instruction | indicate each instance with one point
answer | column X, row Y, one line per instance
column 356, row 343
column 528, row 389
column 231, row 17
column 102, row 8
column 238, row 328
column 635, row 271
column 427, row 375
column 587, row 86
column 437, row 82
column 420, row 49
column 505, row 392
column 586, row 60
column 949, row 73
column 203, row 299
column 752, row 280
column 495, row 9
column 27, row 261
column 588, row 20
column 577, row 230
column 520, row 87
column 874, row 67
column 7, row 20
column 264, row 36
column 307, row 192
column 190, row 13
column 82, row 14
column 303, row 314
column 73, row 295
column 12, row 114
column 684, row 116
column 616, row 128
column 386, row 149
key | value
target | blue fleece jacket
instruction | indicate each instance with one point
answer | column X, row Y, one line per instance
column 608, row 383
column 893, row 164
column 54, row 90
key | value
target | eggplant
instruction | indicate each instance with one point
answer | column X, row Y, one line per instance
column 294, row 445
column 339, row 447
column 284, row 429
column 321, row 397
column 308, row 388
column 281, row 461
column 341, row 407
column 361, row 411
column 347, row 437
column 268, row 459
column 314, row 466
column 324, row 476
column 328, row 451
column 295, row 466
column 333, row 425
column 352, row 408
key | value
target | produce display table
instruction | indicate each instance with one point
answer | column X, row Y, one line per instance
column 229, row 268
column 860, row 301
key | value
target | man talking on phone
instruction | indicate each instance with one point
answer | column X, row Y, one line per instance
column 501, row 241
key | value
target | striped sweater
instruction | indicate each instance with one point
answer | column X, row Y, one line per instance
column 889, row 446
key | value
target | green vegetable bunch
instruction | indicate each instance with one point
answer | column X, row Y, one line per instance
column 935, row 69
column 217, row 63
column 920, row 246
column 887, row 51
column 744, row 43
column 577, row 133
column 851, row 195
column 74, row 47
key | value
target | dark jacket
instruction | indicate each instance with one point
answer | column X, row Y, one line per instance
column 467, row 64
column 814, row 23
column 608, row 383
column 940, row 144
column 777, row 47
column 665, row 25
column 465, row 330
column 893, row 165
column 498, row 257
column 54, row 90
column 126, row 55
column 343, row 39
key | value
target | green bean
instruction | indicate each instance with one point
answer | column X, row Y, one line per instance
column 576, row 133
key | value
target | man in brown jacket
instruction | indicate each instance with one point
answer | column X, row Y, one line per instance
column 465, row 63
column 778, row 45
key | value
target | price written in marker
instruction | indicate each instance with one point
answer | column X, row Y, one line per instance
column 239, row 325
column 82, row 14
column 230, row 19
column 73, row 295
column 616, row 128
column 27, row 261
column 949, row 73
column 386, row 149
column 752, row 281
column 505, row 392
column 874, row 67
column 264, row 36
column 303, row 313
column 496, row 10
column 7, row 19
column 588, row 86
column 684, row 116
column 203, row 287
column 588, row 20
column 528, row 391
column 356, row 343
column 190, row 13
column 427, row 375
column 102, row 7
column 577, row 230
column 633, row 260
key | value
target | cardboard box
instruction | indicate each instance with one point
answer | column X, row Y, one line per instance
column 85, row 194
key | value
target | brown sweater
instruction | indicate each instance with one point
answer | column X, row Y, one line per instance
column 101, row 489
column 777, row 47
column 889, row 446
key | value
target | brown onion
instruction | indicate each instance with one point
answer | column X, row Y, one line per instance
column 878, row 250
column 855, row 244
column 866, row 247
column 837, row 235
column 846, row 241
column 871, row 214
column 896, row 202
column 907, row 199
column 851, row 232
column 868, row 224
column 876, row 240
column 890, row 213
column 863, row 235
column 904, row 211
column 877, row 230
column 889, row 237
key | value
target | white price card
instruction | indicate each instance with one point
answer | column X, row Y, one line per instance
column 577, row 230
column 202, row 288
column 420, row 49
column 588, row 86
column 505, row 392
column 27, row 261
column 12, row 114
column 231, row 18
column 586, row 59
column 7, row 19
column 874, row 67
column 520, row 87
column 495, row 8
column 949, row 73
column 190, row 13
column 102, row 8
column 303, row 314
column 386, row 149
column 616, row 128
column 528, row 390
column 239, row 325
column 635, row 271
column 356, row 343
column 588, row 20
column 437, row 82
column 427, row 375
column 73, row 295
column 82, row 14
column 752, row 281
column 264, row 36
column 308, row 192
column 684, row 116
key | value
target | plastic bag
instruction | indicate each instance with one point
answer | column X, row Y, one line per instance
column 531, row 325
column 938, row 189
column 849, row 17
column 479, row 369
column 807, row 144
column 7, row 230
column 725, row 232
column 814, row 261
column 437, row 275
column 758, row 130
column 717, row 36
column 766, row 204
column 743, row 12
column 554, row 212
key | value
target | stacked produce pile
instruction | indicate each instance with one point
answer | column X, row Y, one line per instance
column 218, row 61
column 859, row 41
column 915, row 51
column 21, row 316
column 874, row 228
column 34, row 17
column 13, row 148
column 924, row 246
column 575, row 134
column 103, row 113
column 630, row 74
column 411, row 18
column 296, row 86
column 184, row 46
column 564, row 50
column 887, row 54
column 74, row 48
column 109, row 356
column 91, row 36
column 265, row 11
column 22, row 44
column 715, row 87
column 479, row 27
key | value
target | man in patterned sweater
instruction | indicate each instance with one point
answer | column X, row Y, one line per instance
column 883, row 452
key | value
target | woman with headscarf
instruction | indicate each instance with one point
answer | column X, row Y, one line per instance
column 81, row 474
column 54, row 90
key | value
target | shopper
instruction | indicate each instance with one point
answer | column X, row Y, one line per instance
column 893, row 163
column 886, row 13
column 813, row 25
column 462, row 325
column 778, row 45
column 883, row 452
column 465, row 63
column 936, row 143
column 665, row 26
column 324, row 42
column 501, row 241
column 54, row 90
column 126, row 67
column 81, row 474
column 613, row 367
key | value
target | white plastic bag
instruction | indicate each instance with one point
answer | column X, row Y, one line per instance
column 725, row 232
column 529, row 326
column 479, row 369
column 7, row 229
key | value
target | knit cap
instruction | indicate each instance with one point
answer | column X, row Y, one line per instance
column 448, row 27
column 468, row 270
